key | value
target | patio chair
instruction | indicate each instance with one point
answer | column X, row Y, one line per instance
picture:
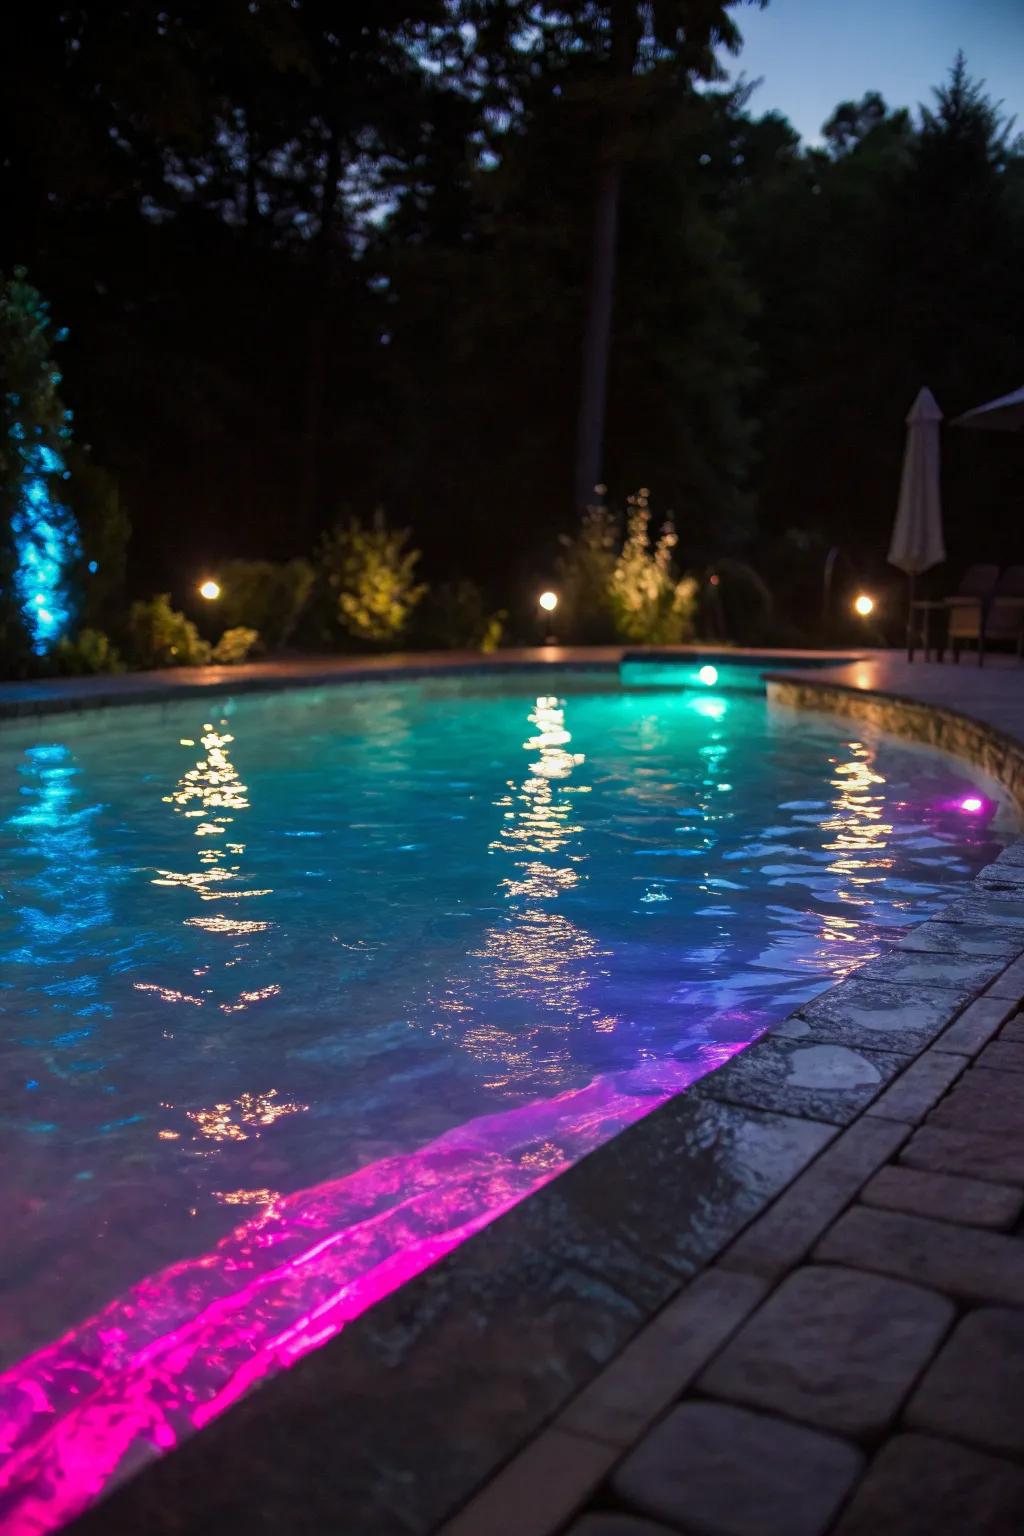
column 964, row 612
column 1005, row 617
column 968, row 608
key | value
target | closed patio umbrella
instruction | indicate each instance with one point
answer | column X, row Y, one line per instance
column 917, row 542
column 1003, row 415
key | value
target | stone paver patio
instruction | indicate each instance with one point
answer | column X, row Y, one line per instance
column 853, row 1362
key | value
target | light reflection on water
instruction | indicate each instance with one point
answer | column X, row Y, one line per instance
column 397, row 941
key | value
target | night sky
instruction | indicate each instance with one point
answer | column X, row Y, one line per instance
column 815, row 53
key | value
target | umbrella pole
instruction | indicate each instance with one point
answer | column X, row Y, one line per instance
column 910, row 617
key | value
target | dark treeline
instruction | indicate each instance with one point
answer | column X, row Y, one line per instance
column 317, row 257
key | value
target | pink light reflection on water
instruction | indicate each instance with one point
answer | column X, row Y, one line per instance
column 181, row 1346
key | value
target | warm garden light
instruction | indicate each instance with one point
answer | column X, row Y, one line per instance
column 548, row 601
column 210, row 590
column 708, row 676
column 864, row 605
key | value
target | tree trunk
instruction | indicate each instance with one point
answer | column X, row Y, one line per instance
column 626, row 27
column 252, row 210
column 316, row 350
column 597, row 337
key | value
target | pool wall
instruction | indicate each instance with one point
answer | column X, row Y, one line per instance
column 53, row 695
column 392, row 1426
column 997, row 753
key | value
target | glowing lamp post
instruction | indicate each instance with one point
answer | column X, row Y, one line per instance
column 210, row 590
column 864, row 605
column 547, row 602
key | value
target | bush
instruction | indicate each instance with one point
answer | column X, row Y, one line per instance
column 234, row 646
column 264, row 596
column 586, row 568
column 369, row 571
column 105, row 528
column 456, row 618
column 650, row 605
column 741, row 603
column 90, row 652
column 158, row 636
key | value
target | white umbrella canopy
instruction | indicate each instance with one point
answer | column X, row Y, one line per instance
column 917, row 542
column 1003, row 415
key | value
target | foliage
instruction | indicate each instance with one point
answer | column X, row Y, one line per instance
column 650, row 604
column 159, row 636
column 586, row 568
column 38, row 535
column 494, row 633
column 741, row 606
column 91, row 651
column 619, row 583
column 857, row 250
column 266, row 596
column 270, row 207
column 234, row 646
column 369, row 570
column 457, row 617
column 852, row 121
column 104, row 528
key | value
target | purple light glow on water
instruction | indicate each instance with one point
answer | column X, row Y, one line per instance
column 297, row 999
column 184, row 1344
column 978, row 807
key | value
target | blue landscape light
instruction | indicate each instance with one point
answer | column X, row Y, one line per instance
column 45, row 543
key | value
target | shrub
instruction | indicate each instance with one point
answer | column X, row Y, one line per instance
column 105, row 528
column 39, row 541
column 494, row 633
column 90, row 652
column 158, row 636
column 586, row 568
column 650, row 605
column 370, row 573
column 264, row 596
column 234, row 645
column 744, row 602
column 457, row 618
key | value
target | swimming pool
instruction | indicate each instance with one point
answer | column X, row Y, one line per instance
column 301, row 989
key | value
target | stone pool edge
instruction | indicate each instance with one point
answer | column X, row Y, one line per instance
column 486, row 1361
column 31, row 698
column 995, row 752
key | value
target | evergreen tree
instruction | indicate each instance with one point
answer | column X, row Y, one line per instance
column 627, row 64
column 38, row 535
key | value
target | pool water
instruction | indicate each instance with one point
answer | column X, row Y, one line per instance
column 299, row 990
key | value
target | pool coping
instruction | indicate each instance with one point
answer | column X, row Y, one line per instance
column 402, row 1420
column 59, row 695
column 996, row 752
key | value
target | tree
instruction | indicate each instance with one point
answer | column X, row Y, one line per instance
column 881, row 267
column 301, row 245
column 104, row 528
column 642, row 57
column 38, row 534
column 852, row 121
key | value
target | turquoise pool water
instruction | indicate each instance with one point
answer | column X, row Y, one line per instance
column 301, row 988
